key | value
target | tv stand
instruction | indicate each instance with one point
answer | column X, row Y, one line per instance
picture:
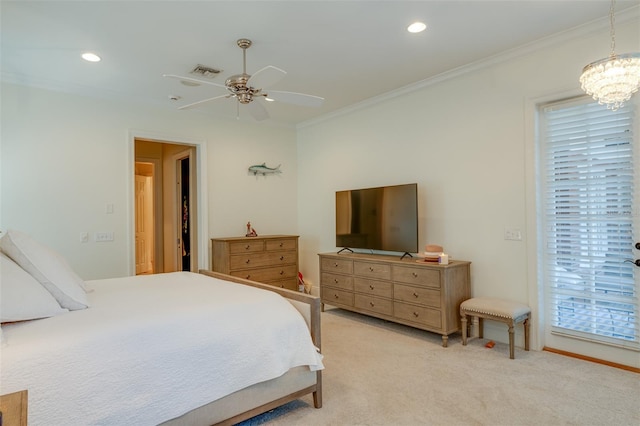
column 345, row 248
column 420, row 294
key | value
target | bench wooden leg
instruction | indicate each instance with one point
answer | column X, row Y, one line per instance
column 526, row 334
column 480, row 328
column 463, row 324
column 511, row 338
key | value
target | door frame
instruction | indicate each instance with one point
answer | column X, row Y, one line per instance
column 202, row 230
column 614, row 354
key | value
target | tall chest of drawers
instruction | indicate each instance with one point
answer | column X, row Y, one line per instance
column 270, row 259
column 419, row 294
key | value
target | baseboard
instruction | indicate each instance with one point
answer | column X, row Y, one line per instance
column 596, row 360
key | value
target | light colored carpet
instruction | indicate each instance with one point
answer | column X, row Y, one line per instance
column 380, row 373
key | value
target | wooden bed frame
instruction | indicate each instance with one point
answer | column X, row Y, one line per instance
column 265, row 396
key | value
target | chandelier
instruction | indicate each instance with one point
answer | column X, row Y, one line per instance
column 611, row 81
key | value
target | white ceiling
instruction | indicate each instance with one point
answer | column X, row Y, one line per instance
column 344, row 51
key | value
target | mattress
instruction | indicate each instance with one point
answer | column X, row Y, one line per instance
column 151, row 348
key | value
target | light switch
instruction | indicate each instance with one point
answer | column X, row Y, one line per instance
column 513, row 234
column 101, row 237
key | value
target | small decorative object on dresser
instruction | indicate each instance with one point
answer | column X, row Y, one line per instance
column 270, row 259
column 250, row 233
column 424, row 295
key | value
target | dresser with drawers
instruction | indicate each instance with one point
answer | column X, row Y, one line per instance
column 409, row 291
column 270, row 259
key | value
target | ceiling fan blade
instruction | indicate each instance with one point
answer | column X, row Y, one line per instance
column 295, row 98
column 202, row 101
column 194, row 80
column 257, row 110
column 266, row 77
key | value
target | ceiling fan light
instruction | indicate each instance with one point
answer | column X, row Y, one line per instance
column 613, row 80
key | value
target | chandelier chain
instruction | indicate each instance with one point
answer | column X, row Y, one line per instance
column 612, row 21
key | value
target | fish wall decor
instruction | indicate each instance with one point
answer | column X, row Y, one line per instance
column 262, row 169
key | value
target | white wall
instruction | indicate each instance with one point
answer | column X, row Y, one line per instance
column 65, row 157
column 468, row 143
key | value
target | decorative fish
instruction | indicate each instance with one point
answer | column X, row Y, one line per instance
column 263, row 169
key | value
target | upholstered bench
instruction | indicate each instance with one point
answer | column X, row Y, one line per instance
column 511, row 313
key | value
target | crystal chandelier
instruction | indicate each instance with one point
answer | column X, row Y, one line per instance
column 611, row 81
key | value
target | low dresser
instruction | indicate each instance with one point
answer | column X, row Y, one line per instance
column 413, row 292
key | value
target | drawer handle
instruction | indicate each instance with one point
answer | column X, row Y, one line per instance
column 281, row 272
column 335, row 265
column 247, row 261
column 248, row 277
column 281, row 244
column 372, row 304
column 281, row 257
column 370, row 286
column 247, row 247
column 281, row 285
column 415, row 294
column 415, row 314
column 336, row 296
column 414, row 275
column 335, row 280
column 370, row 268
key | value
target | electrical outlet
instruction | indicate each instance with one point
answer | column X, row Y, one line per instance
column 84, row 237
column 512, row 234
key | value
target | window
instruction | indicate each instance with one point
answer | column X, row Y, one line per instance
column 586, row 203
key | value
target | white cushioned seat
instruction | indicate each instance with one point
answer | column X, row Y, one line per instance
column 497, row 307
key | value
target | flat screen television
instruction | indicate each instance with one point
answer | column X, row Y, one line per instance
column 383, row 218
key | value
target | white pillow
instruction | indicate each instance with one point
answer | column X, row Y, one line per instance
column 21, row 296
column 46, row 266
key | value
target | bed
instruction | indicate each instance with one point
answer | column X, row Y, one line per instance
column 174, row 349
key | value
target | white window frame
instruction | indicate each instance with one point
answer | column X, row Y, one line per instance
column 565, row 278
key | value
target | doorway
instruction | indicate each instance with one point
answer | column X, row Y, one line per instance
column 183, row 166
column 165, row 207
column 144, row 218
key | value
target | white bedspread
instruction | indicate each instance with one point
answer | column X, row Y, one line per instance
column 151, row 348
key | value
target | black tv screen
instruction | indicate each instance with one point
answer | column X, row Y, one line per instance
column 383, row 218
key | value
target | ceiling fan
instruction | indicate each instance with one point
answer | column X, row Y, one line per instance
column 246, row 88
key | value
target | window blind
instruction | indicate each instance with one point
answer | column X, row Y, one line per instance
column 587, row 202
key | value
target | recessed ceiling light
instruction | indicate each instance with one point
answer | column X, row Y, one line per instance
column 91, row 57
column 417, row 27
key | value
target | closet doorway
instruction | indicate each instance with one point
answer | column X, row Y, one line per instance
column 165, row 200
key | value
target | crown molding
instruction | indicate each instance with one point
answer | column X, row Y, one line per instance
column 563, row 36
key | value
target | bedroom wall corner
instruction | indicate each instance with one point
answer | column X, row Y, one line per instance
column 67, row 163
